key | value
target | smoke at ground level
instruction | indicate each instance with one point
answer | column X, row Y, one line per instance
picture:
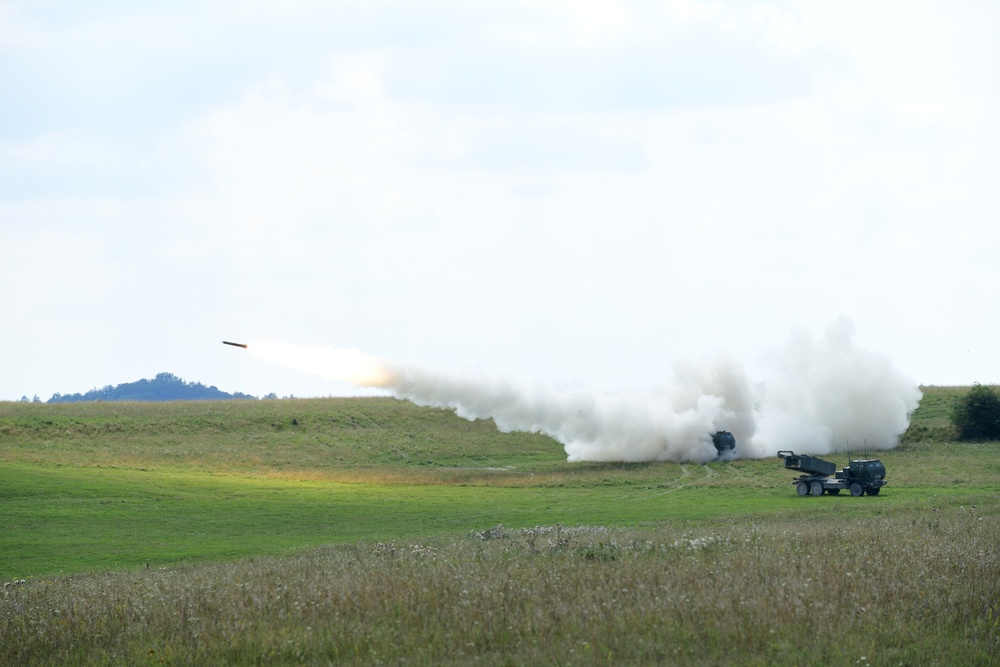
column 817, row 395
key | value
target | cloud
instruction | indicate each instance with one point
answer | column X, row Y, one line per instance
column 647, row 56
column 623, row 182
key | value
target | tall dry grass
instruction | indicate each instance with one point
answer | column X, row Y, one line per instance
column 917, row 588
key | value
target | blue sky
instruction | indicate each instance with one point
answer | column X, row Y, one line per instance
column 570, row 192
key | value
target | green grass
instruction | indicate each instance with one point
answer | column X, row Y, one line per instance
column 360, row 531
column 113, row 485
column 932, row 423
column 68, row 519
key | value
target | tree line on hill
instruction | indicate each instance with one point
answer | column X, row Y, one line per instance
column 164, row 387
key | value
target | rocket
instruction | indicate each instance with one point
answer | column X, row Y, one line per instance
column 243, row 345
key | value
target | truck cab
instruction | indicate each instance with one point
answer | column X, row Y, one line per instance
column 870, row 473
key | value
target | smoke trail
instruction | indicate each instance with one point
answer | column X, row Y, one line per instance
column 640, row 426
column 821, row 396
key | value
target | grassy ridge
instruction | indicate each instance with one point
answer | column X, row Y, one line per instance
column 319, row 435
column 932, row 421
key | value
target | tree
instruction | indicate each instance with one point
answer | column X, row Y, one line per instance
column 977, row 414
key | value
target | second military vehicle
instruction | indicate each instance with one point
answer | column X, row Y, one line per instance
column 859, row 477
column 725, row 445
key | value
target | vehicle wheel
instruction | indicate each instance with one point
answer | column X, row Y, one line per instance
column 816, row 489
column 802, row 489
column 833, row 492
column 856, row 490
column 874, row 491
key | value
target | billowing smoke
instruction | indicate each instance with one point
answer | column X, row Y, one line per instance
column 817, row 396
column 829, row 395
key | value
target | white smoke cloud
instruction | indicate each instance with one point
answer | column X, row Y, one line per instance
column 819, row 396
column 827, row 395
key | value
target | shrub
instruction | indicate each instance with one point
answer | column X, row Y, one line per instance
column 977, row 414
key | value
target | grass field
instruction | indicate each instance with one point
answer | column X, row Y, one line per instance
column 372, row 531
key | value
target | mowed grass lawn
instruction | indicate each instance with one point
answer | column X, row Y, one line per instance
column 68, row 519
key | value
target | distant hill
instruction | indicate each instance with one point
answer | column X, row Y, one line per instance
column 164, row 387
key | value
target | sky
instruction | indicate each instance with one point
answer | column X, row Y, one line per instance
column 564, row 192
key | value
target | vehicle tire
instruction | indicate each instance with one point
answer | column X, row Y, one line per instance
column 874, row 491
column 833, row 492
column 856, row 490
column 802, row 489
column 816, row 489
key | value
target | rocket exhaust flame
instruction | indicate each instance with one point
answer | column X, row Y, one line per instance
column 821, row 394
column 341, row 365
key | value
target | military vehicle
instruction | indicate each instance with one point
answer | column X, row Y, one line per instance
column 725, row 444
column 859, row 477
